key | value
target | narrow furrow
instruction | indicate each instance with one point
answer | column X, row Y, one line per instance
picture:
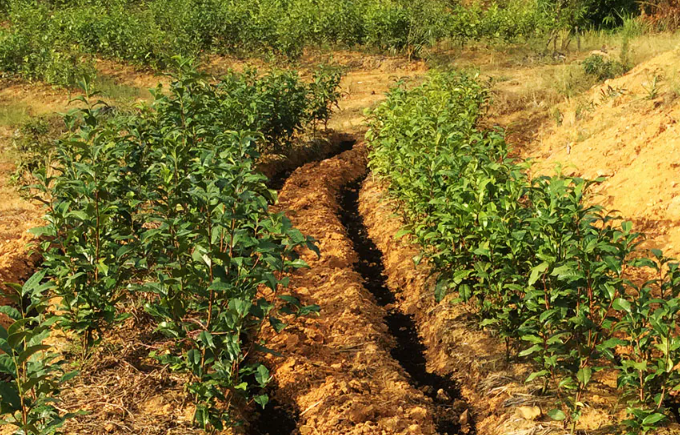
column 409, row 350
column 336, row 368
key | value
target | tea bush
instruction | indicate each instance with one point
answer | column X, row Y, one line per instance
column 50, row 40
column 166, row 201
column 544, row 270
column 32, row 373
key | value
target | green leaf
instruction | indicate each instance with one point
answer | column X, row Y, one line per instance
column 7, row 365
column 401, row 233
column 261, row 400
column 557, row 414
column 531, row 350
column 32, row 283
column 441, row 289
column 68, row 376
column 9, row 395
column 277, row 324
column 535, row 375
column 262, row 375
column 584, row 375
column 10, row 312
column 207, row 339
column 201, row 416
column 30, row 351
column 653, row 418
column 621, row 304
column 536, row 271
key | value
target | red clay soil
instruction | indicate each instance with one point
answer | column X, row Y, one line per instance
column 499, row 400
column 337, row 370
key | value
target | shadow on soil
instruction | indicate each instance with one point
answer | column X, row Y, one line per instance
column 274, row 419
column 410, row 351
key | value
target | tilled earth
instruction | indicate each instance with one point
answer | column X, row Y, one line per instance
column 338, row 371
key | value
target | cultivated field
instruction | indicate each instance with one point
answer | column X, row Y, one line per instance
column 339, row 217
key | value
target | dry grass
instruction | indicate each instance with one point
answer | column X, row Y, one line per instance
column 124, row 391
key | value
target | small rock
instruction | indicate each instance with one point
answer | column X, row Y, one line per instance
column 415, row 429
column 306, row 430
column 442, row 396
column 464, row 418
column 673, row 209
column 418, row 413
column 109, row 427
column 292, row 340
column 529, row 412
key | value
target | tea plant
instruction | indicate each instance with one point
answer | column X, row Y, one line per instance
column 31, row 373
column 325, row 94
column 56, row 41
column 166, row 201
column 88, row 239
column 647, row 371
column 545, row 271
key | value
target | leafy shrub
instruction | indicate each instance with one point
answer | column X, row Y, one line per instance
column 544, row 270
column 150, row 33
column 33, row 371
column 325, row 94
column 166, row 201
column 22, row 55
column 602, row 68
column 387, row 26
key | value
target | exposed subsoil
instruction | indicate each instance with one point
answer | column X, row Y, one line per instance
column 337, row 369
column 625, row 130
column 409, row 350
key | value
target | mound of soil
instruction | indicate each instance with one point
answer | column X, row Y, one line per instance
column 627, row 131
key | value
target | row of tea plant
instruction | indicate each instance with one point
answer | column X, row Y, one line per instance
column 548, row 273
column 54, row 40
column 164, row 205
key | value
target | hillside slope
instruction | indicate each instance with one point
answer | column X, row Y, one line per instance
column 627, row 131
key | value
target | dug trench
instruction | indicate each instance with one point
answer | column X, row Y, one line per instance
column 409, row 350
column 360, row 366
column 336, row 369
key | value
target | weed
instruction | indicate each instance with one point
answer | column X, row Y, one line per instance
column 13, row 114
column 602, row 68
column 652, row 87
column 557, row 116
